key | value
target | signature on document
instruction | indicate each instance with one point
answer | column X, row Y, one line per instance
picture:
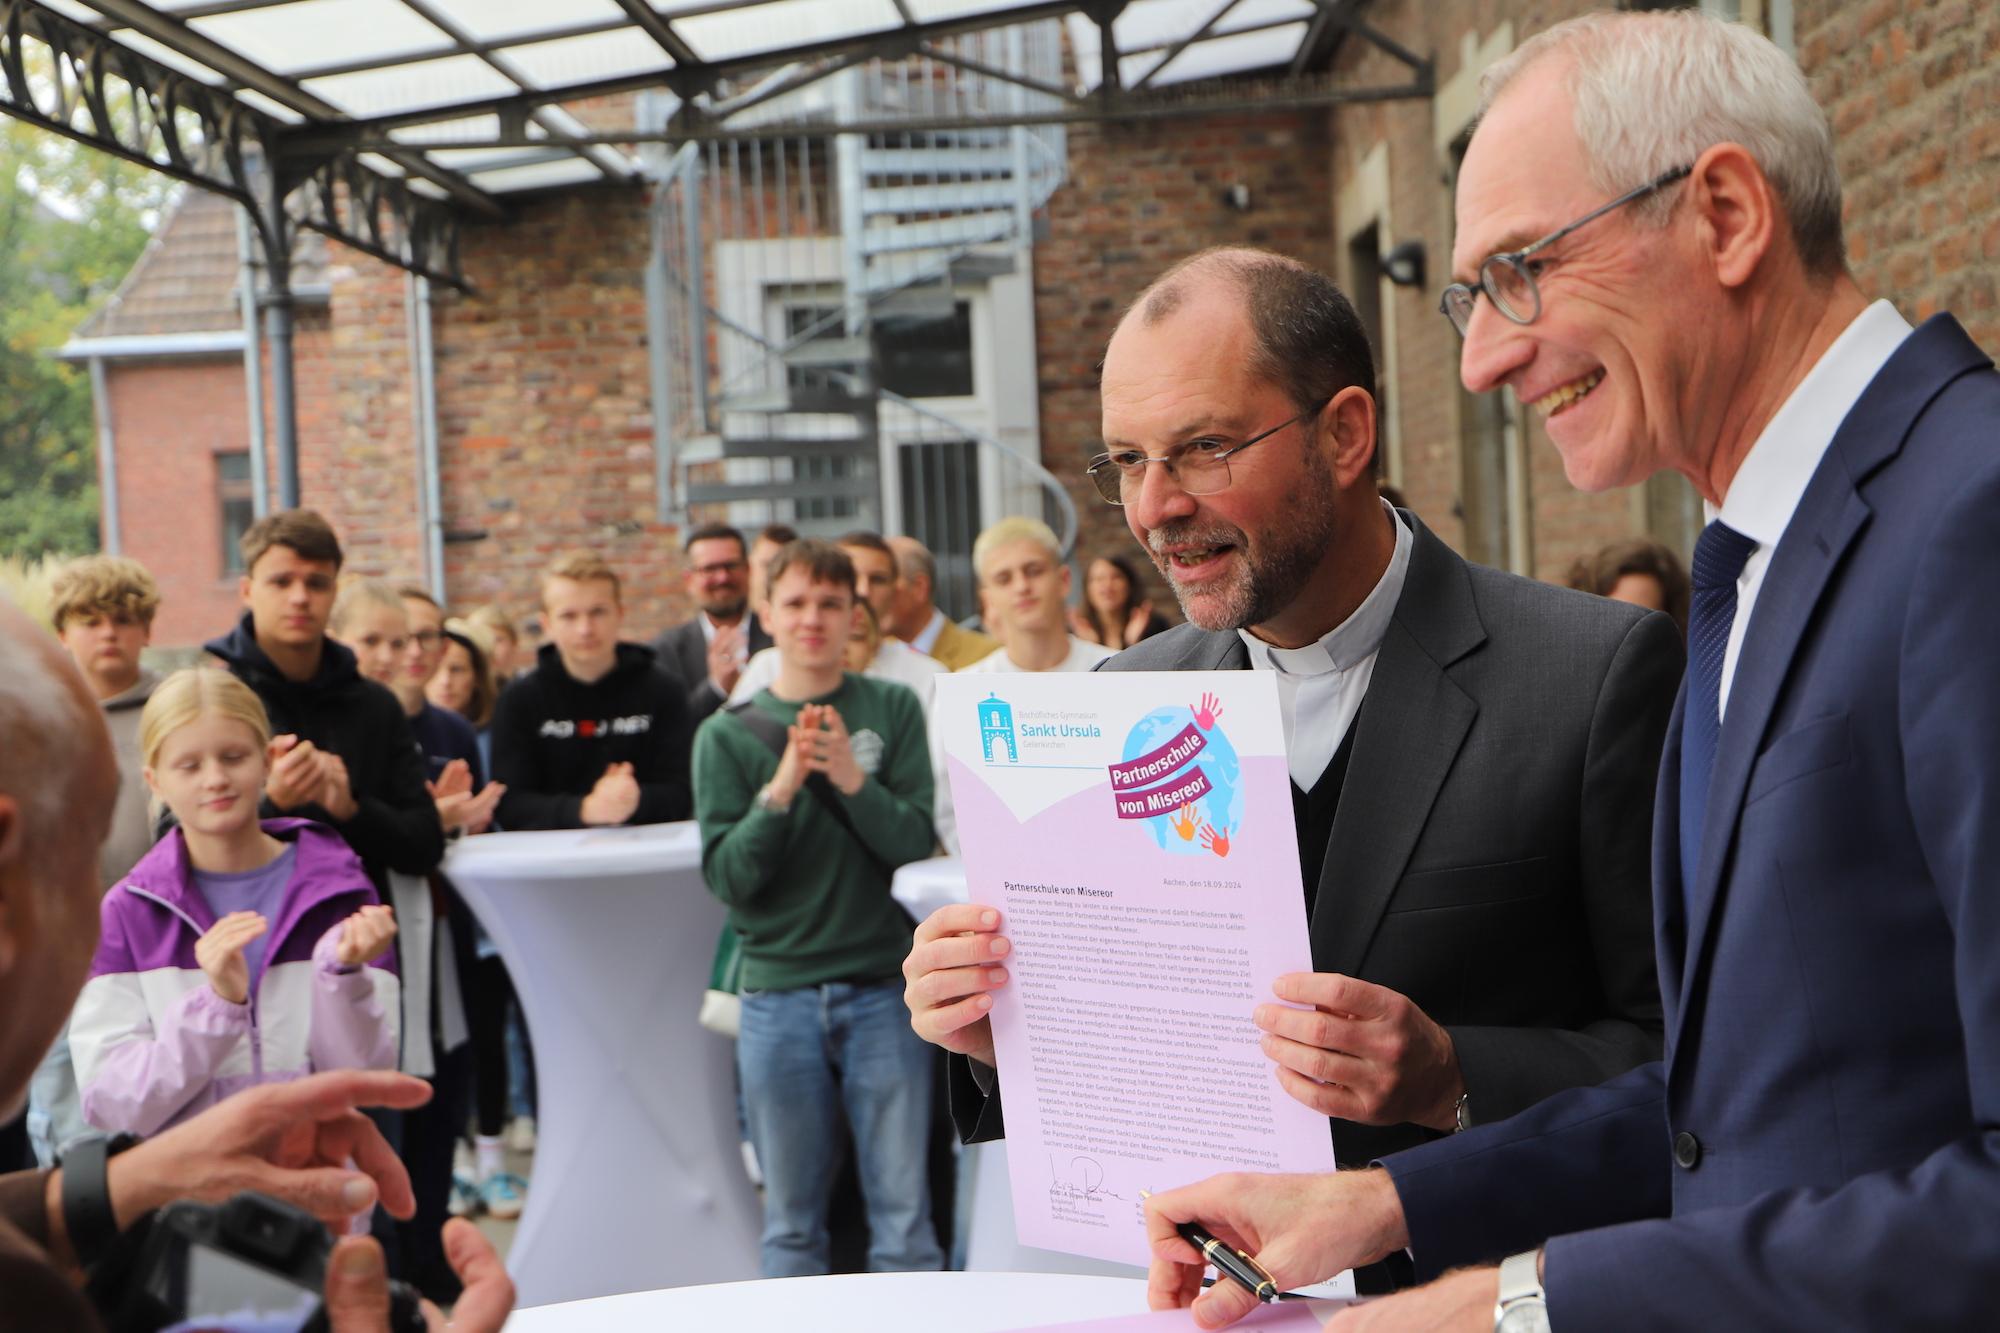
column 1085, row 1183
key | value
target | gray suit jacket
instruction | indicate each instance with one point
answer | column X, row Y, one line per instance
column 684, row 651
column 1490, row 858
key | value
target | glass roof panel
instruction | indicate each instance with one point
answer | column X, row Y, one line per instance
column 472, row 159
column 537, row 176
column 1231, row 55
column 164, row 55
column 783, row 23
column 381, row 92
column 310, row 33
column 937, row 11
column 378, row 163
column 71, row 9
column 466, row 128
column 270, row 107
column 498, row 20
column 567, row 60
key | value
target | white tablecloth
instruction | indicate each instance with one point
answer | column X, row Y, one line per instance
column 922, row 887
column 858, row 1303
column 638, row 1179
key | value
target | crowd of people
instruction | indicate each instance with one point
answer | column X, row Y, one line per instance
column 1652, row 974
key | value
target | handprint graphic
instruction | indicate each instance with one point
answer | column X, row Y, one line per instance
column 1207, row 711
column 1183, row 823
column 1215, row 840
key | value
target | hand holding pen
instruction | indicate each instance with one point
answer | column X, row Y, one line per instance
column 1232, row 1264
column 1301, row 1229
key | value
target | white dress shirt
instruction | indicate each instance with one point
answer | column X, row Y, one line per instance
column 1321, row 686
column 894, row 660
column 1082, row 656
column 1767, row 488
column 927, row 637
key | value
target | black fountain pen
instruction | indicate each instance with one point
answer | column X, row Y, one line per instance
column 1232, row 1264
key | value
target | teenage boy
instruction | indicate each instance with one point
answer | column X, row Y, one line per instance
column 103, row 607
column 1024, row 586
column 348, row 757
column 809, row 796
column 597, row 733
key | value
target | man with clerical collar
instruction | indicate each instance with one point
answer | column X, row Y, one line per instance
column 1473, row 754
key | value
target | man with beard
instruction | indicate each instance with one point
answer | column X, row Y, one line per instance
column 710, row 650
column 1473, row 754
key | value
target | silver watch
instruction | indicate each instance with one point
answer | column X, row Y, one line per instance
column 770, row 804
column 1523, row 1307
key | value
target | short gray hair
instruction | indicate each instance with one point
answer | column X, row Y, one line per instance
column 39, row 731
column 1654, row 91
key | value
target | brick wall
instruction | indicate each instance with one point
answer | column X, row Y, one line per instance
column 172, row 417
column 1138, row 198
column 1913, row 91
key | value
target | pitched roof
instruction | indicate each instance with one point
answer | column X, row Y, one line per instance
column 186, row 278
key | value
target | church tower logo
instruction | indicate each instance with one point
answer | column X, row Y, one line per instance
column 996, row 729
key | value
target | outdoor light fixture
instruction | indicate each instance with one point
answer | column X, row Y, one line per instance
column 1236, row 197
column 1404, row 265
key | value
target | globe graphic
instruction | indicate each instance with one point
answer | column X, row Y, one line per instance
column 1222, row 807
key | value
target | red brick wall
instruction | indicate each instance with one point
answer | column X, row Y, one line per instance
column 1138, row 198
column 171, row 419
column 1913, row 91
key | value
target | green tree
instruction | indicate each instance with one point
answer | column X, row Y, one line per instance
column 72, row 222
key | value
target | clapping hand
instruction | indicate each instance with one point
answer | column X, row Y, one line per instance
column 723, row 666
column 833, row 752
column 219, row 952
column 457, row 807
column 365, row 935
column 614, row 798
column 295, row 779
column 336, row 796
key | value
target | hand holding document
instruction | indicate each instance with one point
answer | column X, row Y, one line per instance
column 1133, row 833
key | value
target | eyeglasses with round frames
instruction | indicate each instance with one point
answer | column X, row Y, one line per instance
column 1199, row 467
column 1509, row 282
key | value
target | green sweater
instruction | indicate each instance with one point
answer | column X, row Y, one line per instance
column 807, row 902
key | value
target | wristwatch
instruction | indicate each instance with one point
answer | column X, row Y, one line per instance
column 1461, row 1114
column 86, row 1195
column 770, row 804
column 1523, row 1306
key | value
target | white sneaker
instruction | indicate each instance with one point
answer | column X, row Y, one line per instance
column 521, row 1134
column 503, row 1195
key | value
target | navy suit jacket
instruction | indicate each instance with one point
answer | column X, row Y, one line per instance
column 1821, row 1146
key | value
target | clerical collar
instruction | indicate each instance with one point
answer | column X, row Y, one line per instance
column 1354, row 639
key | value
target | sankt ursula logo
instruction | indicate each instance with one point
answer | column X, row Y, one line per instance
column 996, row 729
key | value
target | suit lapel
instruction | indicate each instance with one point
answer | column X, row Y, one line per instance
column 1830, row 516
column 1407, row 734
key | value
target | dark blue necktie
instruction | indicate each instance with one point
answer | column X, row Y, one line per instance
column 1719, row 557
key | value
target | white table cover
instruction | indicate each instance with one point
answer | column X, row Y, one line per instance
column 855, row 1303
column 638, row 1179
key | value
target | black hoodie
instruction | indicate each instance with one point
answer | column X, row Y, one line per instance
column 553, row 737
column 396, row 827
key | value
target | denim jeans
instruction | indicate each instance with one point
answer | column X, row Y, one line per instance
column 804, row 1052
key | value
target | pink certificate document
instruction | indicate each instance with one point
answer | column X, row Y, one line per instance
column 1135, row 831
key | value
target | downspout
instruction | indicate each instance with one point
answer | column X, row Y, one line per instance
column 253, row 362
column 430, row 505
column 107, row 458
column 277, row 303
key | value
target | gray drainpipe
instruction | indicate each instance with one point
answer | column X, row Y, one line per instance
column 430, row 503
column 253, row 362
column 107, row 457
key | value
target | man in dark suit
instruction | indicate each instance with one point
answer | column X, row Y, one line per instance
column 1821, row 1146
column 1472, row 753
column 708, row 652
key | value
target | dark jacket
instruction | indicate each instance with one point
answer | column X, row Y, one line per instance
column 553, row 737
column 683, row 650
column 396, row 827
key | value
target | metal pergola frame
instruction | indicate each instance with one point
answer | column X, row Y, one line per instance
column 333, row 172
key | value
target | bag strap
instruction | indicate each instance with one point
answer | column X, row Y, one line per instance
column 776, row 737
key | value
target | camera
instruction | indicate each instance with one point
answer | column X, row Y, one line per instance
column 252, row 1264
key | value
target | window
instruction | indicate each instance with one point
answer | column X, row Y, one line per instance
column 1488, row 445
column 238, row 507
column 926, row 356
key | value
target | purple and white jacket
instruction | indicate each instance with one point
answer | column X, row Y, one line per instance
column 154, row 1043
